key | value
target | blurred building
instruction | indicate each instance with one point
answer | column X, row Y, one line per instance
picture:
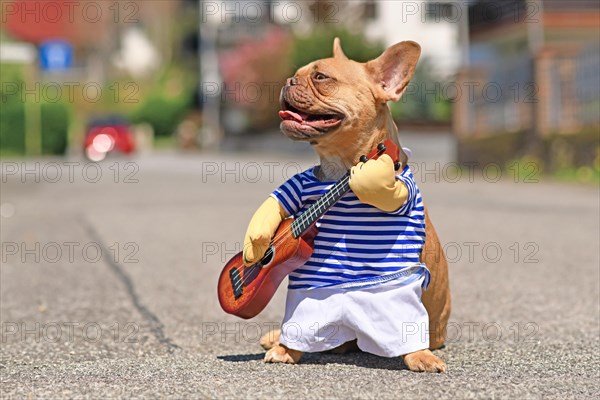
column 107, row 37
column 435, row 24
column 533, row 67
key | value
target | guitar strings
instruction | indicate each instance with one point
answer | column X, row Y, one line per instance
column 278, row 240
column 312, row 211
column 284, row 235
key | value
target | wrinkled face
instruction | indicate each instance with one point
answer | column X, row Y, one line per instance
column 329, row 97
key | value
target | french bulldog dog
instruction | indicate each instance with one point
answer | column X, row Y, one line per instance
column 339, row 106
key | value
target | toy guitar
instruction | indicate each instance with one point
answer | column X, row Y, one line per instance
column 246, row 290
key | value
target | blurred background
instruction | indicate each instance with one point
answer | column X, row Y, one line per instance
column 499, row 81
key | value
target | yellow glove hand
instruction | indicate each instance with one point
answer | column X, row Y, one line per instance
column 374, row 183
column 261, row 229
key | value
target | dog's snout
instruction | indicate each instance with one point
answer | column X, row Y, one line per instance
column 293, row 81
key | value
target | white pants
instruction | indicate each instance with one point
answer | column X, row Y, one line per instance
column 387, row 320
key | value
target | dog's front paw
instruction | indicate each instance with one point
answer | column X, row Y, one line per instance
column 424, row 361
column 281, row 354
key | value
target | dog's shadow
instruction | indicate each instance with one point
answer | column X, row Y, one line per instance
column 358, row 359
column 242, row 357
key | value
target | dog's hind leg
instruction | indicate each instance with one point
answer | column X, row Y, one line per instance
column 424, row 361
column 437, row 296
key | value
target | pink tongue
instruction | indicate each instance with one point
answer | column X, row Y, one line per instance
column 287, row 114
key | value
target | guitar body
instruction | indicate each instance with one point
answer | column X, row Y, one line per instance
column 245, row 291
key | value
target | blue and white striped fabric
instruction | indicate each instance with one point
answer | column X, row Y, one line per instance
column 358, row 245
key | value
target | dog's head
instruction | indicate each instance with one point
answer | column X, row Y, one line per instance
column 335, row 101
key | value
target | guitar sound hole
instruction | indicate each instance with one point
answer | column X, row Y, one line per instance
column 268, row 256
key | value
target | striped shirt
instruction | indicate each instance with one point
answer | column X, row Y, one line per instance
column 358, row 245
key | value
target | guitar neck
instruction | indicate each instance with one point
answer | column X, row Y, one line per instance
column 320, row 207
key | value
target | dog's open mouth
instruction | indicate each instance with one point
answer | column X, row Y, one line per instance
column 320, row 122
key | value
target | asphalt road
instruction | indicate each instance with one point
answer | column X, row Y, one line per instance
column 108, row 285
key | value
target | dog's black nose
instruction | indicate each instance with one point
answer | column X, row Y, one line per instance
column 292, row 81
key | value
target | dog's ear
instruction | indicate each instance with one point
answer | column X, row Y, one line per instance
column 337, row 49
column 394, row 68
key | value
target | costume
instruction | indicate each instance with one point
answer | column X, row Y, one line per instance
column 364, row 279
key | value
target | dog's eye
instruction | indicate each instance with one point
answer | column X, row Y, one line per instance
column 319, row 76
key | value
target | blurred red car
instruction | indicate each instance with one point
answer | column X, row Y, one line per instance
column 108, row 135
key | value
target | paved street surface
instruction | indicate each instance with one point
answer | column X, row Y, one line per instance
column 108, row 284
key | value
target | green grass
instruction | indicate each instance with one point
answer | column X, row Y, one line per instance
column 10, row 153
column 164, row 142
column 580, row 175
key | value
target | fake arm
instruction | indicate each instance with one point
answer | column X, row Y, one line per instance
column 375, row 183
column 261, row 229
